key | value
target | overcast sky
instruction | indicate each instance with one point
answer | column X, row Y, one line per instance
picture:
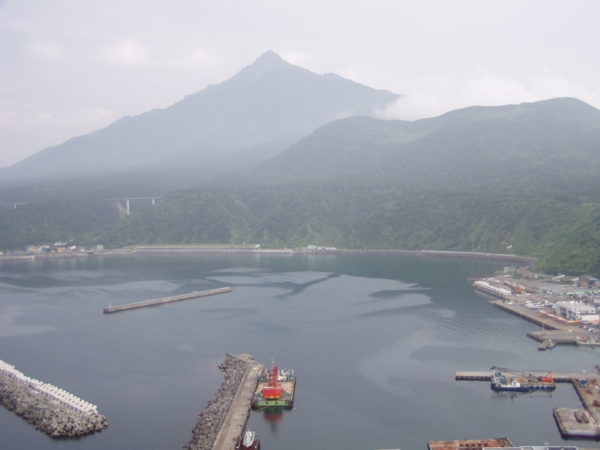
column 70, row 67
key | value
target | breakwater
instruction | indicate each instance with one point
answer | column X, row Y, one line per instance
column 210, row 420
column 161, row 301
column 50, row 409
column 234, row 424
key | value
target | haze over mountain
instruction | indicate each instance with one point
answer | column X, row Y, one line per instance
column 283, row 157
column 530, row 144
column 263, row 108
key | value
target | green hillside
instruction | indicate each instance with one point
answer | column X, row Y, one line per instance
column 531, row 146
column 561, row 230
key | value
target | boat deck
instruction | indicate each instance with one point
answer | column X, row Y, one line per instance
column 286, row 400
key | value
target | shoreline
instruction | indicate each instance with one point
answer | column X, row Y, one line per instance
column 253, row 250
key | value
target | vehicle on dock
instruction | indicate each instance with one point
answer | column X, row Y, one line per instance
column 275, row 389
column 250, row 440
column 515, row 380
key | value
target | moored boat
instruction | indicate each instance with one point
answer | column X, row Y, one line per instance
column 250, row 440
column 275, row 389
column 512, row 380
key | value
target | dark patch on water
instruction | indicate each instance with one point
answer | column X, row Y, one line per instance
column 393, row 293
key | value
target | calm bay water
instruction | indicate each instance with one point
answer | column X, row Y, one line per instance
column 374, row 340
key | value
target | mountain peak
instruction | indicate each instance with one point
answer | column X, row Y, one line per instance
column 267, row 62
column 270, row 57
column 265, row 102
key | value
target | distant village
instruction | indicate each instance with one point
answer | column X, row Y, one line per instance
column 57, row 248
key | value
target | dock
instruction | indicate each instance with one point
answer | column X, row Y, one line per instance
column 221, row 425
column 529, row 315
column 581, row 423
column 486, row 375
column 237, row 416
column 553, row 332
column 573, row 423
column 560, row 337
column 161, row 301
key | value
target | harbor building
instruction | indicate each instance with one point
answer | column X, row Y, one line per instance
column 572, row 310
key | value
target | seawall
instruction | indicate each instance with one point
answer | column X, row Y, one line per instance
column 164, row 300
column 222, row 422
column 50, row 409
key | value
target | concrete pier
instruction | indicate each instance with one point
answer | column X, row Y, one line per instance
column 529, row 315
column 164, row 300
column 553, row 332
column 582, row 423
column 486, row 375
column 572, row 423
column 221, row 424
column 238, row 413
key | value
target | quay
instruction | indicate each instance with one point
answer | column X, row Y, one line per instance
column 237, row 416
column 486, row 375
column 221, row 425
column 553, row 332
column 529, row 315
column 581, row 423
column 560, row 337
column 161, row 301
column 572, row 423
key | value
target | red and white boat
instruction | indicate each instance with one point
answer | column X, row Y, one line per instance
column 250, row 440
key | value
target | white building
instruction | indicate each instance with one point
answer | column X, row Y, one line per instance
column 573, row 310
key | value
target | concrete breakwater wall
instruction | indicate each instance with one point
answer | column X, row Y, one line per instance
column 161, row 301
column 211, row 419
column 50, row 409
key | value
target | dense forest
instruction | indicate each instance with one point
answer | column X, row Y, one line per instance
column 561, row 230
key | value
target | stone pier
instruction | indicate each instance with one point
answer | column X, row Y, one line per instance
column 221, row 424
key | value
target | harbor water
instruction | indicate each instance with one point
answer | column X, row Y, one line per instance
column 375, row 342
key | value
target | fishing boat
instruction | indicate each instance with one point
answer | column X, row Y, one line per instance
column 275, row 389
column 250, row 440
column 515, row 380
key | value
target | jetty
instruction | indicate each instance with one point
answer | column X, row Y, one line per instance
column 531, row 316
column 221, row 425
column 554, row 332
column 237, row 416
column 486, row 375
column 50, row 409
column 161, row 301
column 572, row 422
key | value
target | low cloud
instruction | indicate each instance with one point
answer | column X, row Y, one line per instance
column 432, row 96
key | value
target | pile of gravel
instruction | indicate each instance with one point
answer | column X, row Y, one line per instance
column 210, row 420
column 48, row 415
